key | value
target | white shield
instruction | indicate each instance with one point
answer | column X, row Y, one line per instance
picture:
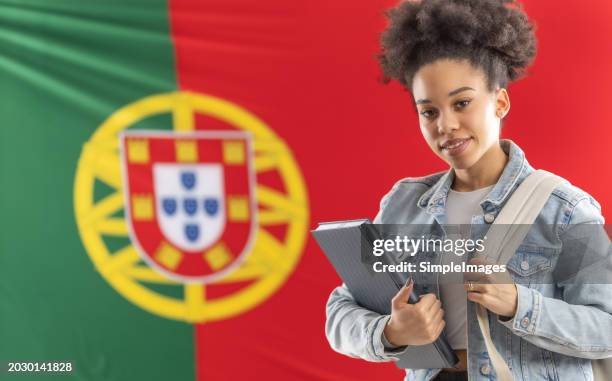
column 190, row 203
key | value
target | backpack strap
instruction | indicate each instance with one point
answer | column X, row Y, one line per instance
column 505, row 236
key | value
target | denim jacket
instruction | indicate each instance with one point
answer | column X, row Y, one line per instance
column 558, row 328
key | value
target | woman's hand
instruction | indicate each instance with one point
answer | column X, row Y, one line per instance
column 495, row 292
column 414, row 324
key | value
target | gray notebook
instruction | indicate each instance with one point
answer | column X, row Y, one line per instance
column 342, row 242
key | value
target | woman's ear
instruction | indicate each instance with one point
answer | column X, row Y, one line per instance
column 502, row 103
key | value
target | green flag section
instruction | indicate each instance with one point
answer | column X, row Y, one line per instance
column 65, row 66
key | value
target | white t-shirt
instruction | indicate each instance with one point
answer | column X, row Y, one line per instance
column 460, row 207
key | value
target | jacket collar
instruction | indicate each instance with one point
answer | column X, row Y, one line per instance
column 434, row 200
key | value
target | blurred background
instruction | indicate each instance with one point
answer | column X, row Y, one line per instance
column 329, row 141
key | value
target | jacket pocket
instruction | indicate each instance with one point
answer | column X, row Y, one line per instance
column 531, row 263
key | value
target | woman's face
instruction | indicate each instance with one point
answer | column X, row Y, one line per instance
column 459, row 117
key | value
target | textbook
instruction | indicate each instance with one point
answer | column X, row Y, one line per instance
column 342, row 241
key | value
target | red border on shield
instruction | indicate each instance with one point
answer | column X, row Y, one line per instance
column 140, row 151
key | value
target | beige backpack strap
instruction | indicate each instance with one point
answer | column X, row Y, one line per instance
column 513, row 223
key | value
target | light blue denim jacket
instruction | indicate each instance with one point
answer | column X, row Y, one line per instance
column 558, row 327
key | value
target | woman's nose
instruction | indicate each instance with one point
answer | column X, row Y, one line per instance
column 447, row 122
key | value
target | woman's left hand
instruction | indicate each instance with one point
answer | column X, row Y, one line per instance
column 495, row 292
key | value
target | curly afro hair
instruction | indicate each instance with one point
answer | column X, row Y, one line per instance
column 493, row 35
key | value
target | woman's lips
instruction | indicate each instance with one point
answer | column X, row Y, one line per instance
column 456, row 147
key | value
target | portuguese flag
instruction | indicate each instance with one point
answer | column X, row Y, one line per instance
column 162, row 162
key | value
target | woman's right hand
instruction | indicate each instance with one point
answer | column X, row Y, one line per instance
column 414, row 324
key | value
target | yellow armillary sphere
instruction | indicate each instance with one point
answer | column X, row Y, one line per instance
column 270, row 260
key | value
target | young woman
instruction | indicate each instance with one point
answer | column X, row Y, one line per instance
column 456, row 58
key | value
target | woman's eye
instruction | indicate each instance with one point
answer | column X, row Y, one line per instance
column 427, row 113
column 462, row 104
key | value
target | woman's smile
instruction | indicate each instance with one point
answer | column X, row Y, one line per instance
column 455, row 147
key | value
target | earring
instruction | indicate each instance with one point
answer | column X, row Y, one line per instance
column 500, row 114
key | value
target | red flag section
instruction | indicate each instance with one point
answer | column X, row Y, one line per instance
column 331, row 140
